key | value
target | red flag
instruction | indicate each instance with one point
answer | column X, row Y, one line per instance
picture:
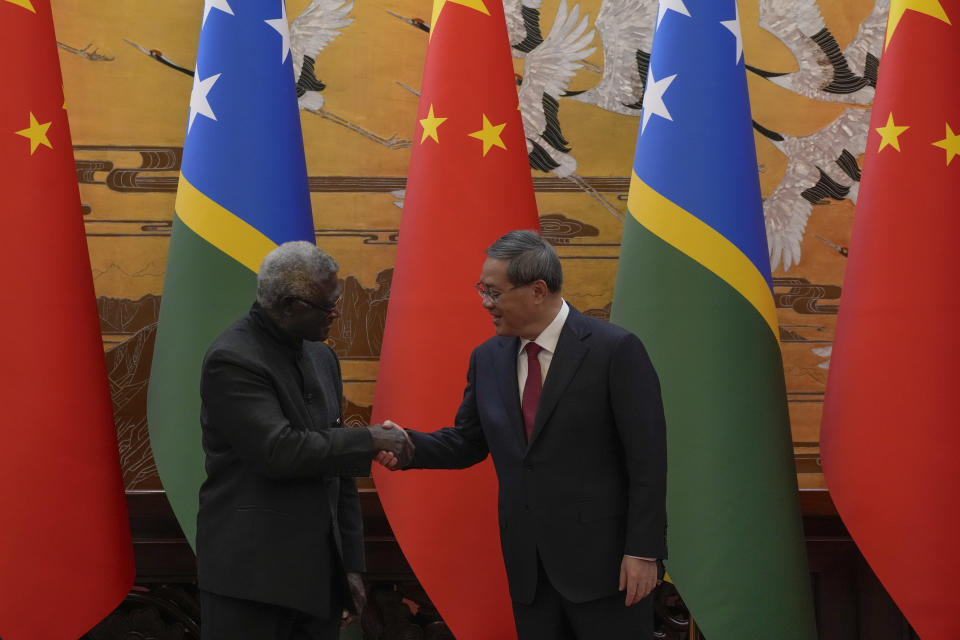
column 64, row 519
column 469, row 183
column 889, row 436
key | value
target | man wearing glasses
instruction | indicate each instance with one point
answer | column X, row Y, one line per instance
column 279, row 531
column 569, row 407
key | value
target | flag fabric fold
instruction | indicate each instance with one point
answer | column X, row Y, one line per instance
column 61, row 490
column 469, row 182
column 693, row 283
column 889, row 428
column 243, row 190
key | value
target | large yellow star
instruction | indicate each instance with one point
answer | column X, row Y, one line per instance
column 490, row 135
column 438, row 6
column 26, row 4
column 899, row 7
column 890, row 134
column 950, row 144
column 430, row 125
column 36, row 133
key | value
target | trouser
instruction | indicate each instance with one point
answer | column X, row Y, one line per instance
column 226, row 618
column 552, row 617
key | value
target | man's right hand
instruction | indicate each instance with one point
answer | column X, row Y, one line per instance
column 392, row 444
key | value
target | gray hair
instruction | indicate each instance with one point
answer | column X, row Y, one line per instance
column 292, row 269
column 530, row 257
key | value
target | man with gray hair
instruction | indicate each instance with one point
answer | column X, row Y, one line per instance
column 569, row 408
column 279, row 531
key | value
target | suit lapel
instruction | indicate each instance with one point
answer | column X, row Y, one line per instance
column 506, row 372
column 570, row 351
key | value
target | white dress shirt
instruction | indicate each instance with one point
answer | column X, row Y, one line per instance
column 547, row 339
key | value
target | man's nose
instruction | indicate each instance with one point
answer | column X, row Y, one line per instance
column 487, row 303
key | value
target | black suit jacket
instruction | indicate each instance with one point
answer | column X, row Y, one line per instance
column 279, row 510
column 590, row 485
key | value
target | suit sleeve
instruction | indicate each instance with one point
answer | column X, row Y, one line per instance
column 349, row 514
column 351, row 525
column 459, row 446
column 243, row 405
column 638, row 412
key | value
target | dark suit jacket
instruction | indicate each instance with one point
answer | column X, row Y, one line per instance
column 590, row 486
column 279, row 510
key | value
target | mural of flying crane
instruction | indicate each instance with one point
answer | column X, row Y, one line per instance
column 821, row 165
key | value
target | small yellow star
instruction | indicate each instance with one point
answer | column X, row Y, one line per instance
column 950, row 144
column 23, row 3
column 438, row 6
column 430, row 125
column 890, row 134
column 931, row 8
column 36, row 133
column 490, row 135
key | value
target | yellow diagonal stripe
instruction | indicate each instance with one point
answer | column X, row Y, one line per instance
column 690, row 235
column 221, row 228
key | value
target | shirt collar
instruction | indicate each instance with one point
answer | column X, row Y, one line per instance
column 549, row 337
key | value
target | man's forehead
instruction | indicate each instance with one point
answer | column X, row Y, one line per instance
column 493, row 270
column 327, row 283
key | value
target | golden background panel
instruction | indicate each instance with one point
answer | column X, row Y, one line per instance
column 128, row 115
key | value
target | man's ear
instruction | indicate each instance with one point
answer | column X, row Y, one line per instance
column 285, row 308
column 540, row 289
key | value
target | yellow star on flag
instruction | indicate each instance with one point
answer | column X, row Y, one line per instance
column 430, row 125
column 950, row 144
column 438, row 6
column 490, row 135
column 932, row 8
column 36, row 133
column 890, row 134
column 26, row 4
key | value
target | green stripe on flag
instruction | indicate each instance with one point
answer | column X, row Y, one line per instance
column 734, row 530
column 203, row 293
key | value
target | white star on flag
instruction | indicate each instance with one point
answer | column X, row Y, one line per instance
column 214, row 4
column 653, row 98
column 671, row 5
column 283, row 28
column 734, row 27
column 198, row 99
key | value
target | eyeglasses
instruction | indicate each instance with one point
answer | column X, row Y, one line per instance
column 492, row 295
column 327, row 308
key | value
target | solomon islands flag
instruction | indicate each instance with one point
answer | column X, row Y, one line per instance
column 694, row 284
column 243, row 190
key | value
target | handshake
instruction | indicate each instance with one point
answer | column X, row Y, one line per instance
column 393, row 447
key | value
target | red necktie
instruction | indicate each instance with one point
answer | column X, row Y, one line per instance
column 531, row 388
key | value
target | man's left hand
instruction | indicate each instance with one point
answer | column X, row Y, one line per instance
column 638, row 577
column 358, row 596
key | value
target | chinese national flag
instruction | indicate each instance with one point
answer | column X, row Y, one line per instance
column 469, row 183
column 64, row 522
column 890, row 432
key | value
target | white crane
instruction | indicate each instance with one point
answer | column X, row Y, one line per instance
column 310, row 33
column 822, row 164
column 824, row 70
column 547, row 71
column 626, row 34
